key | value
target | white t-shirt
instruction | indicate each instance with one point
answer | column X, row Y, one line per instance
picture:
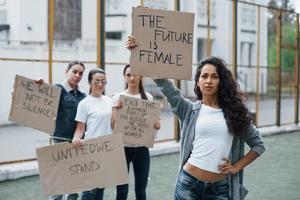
column 96, row 113
column 116, row 98
column 212, row 140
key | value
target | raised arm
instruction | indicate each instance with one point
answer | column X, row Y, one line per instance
column 179, row 105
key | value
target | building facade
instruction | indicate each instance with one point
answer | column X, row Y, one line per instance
column 24, row 35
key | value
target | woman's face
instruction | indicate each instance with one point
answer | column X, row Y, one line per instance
column 74, row 75
column 98, row 83
column 132, row 80
column 209, row 80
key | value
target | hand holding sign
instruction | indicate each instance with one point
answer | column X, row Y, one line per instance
column 34, row 105
column 136, row 121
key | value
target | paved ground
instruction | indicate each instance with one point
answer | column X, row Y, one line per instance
column 20, row 142
column 275, row 176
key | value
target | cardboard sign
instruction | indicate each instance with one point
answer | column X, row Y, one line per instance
column 135, row 120
column 165, row 43
column 33, row 105
column 99, row 163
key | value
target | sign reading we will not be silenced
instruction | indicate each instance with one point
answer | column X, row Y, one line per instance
column 34, row 105
column 165, row 43
column 135, row 120
column 100, row 162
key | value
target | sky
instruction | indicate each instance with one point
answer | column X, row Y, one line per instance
column 297, row 5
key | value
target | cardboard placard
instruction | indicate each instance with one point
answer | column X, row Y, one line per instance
column 165, row 43
column 33, row 105
column 135, row 120
column 100, row 162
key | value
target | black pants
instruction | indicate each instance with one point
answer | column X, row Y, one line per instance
column 140, row 158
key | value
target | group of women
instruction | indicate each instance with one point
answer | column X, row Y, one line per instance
column 213, row 129
column 89, row 116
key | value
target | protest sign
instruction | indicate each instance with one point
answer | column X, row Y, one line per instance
column 100, row 162
column 135, row 120
column 165, row 43
column 34, row 105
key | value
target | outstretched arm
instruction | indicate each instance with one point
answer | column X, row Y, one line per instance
column 179, row 105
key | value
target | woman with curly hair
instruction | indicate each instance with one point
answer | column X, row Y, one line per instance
column 214, row 130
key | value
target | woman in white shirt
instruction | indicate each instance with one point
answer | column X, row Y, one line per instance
column 214, row 130
column 94, row 119
column 138, row 155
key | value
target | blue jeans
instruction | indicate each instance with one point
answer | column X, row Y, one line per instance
column 95, row 194
column 60, row 197
column 140, row 158
column 191, row 188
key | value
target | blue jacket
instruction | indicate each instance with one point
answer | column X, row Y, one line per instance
column 187, row 112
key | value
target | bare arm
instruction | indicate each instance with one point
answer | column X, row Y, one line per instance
column 80, row 127
column 113, row 118
column 227, row 167
column 119, row 105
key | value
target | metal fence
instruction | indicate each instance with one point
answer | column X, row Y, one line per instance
column 282, row 82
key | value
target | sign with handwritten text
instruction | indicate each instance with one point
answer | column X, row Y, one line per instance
column 34, row 105
column 100, row 162
column 165, row 43
column 136, row 119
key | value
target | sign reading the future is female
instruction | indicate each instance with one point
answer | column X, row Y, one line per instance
column 165, row 43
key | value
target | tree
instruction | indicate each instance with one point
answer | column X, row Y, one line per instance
column 287, row 32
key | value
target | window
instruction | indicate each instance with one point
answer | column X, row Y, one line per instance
column 247, row 51
column 67, row 20
column 114, row 35
column 201, row 47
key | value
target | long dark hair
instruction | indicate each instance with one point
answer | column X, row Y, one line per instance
column 91, row 74
column 229, row 97
column 141, row 87
column 75, row 62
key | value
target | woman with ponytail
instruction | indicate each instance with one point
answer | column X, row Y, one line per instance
column 138, row 155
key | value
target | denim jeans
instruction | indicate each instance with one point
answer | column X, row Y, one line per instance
column 191, row 188
column 140, row 158
column 95, row 194
column 60, row 197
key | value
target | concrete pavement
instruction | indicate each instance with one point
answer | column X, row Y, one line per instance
column 22, row 169
column 274, row 176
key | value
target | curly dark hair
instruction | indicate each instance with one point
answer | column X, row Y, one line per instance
column 229, row 98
